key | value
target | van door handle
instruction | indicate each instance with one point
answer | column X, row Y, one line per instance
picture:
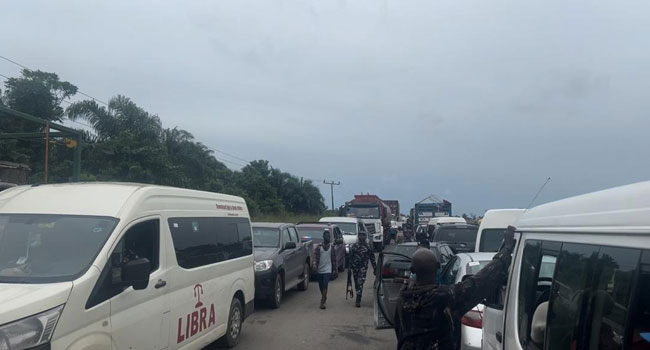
column 160, row 284
column 499, row 337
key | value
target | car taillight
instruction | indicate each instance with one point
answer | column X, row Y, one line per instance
column 473, row 318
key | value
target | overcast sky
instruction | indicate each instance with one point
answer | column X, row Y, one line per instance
column 477, row 102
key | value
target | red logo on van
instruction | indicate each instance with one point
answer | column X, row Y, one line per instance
column 196, row 321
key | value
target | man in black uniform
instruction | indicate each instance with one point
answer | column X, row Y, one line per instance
column 428, row 315
column 360, row 255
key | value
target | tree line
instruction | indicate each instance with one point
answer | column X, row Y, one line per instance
column 126, row 143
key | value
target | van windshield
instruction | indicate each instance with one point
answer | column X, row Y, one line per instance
column 36, row 248
column 347, row 228
column 456, row 234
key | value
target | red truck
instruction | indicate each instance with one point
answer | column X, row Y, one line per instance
column 375, row 216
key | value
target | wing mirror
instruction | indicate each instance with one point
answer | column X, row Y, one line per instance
column 136, row 273
column 290, row 245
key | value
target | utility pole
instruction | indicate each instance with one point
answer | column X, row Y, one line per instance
column 332, row 184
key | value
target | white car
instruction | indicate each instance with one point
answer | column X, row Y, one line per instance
column 350, row 227
column 460, row 266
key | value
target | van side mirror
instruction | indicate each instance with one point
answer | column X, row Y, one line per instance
column 136, row 273
column 290, row 245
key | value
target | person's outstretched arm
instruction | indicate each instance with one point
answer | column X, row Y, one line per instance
column 468, row 293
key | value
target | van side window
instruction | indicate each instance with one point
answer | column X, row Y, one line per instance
column 536, row 277
column 638, row 335
column 142, row 240
column 203, row 241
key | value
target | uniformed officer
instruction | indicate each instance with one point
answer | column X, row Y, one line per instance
column 428, row 315
column 360, row 254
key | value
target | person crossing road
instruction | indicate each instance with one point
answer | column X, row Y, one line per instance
column 360, row 254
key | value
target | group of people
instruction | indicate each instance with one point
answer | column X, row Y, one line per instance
column 428, row 314
column 358, row 258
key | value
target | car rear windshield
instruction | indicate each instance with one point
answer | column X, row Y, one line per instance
column 491, row 239
column 316, row 234
column 347, row 228
column 49, row 248
column 266, row 237
column 456, row 234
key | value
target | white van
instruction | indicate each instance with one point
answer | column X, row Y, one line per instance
column 580, row 277
column 122, row 266
column 492, row 228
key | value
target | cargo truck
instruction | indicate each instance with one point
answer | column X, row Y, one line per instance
column 429, row 208
column 374, row 214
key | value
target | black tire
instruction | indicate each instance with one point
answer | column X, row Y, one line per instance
column 278, row 290
column 306, row 274
column 235, row 322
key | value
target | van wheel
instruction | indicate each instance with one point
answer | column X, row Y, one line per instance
column 305, row 278
column 235, row 320
column 276, row 298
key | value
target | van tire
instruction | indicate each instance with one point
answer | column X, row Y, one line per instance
column 235, row 322
column 306, row 274
column 276, row 298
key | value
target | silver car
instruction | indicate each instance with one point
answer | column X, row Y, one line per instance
column 459, row 267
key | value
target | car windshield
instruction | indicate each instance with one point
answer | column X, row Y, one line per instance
column 491, row 239
column 347, row 228
column 36, row 248
column 456, row 234
column 474, row 267
column 266, row 237
column 316, row 234
column 364, row 212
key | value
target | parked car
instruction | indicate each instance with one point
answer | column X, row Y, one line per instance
column 395, row 267
column 458, row 268
column 493, row 226
column 124, row 266
column 314, row 232
column 460, row 237
column 282, row 261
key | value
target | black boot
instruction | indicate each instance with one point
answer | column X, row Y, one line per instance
column 358, row 303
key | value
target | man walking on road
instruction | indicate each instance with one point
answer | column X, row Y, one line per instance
column 323, row 264
column 428, row 315
column 360, row 254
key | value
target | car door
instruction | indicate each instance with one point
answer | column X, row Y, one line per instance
column 298, row 258
column 394, row 271
column 140, row 318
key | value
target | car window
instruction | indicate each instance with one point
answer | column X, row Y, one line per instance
column 294, row 235
column 491, row 239
column 449, row 275
column 285, row 236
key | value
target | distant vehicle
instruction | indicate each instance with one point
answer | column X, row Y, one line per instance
column 579, row 277
column 428, row 208
column 443, row 220
column 314, row 232
column 350, row 227
column 374, row 214
column 394, row 209
column 123, row 266
column 460, row 237
column 493, row 225
column 281, row 261
column 458, row 268
column 394, row 265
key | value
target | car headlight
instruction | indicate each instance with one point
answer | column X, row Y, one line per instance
column 263, row 265
column 31, row 331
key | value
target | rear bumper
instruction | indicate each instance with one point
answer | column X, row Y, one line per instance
column 470, row 338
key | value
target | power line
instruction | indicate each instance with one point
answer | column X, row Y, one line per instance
column 25, row 67
column 228, row 154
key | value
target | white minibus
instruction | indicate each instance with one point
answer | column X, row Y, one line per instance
column 493, row 225
column 122, row 266
column 580, row 276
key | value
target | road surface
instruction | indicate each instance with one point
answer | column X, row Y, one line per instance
column 300, row 324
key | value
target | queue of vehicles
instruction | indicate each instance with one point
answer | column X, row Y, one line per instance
column 158, row 267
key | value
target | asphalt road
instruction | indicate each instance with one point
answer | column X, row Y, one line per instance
column 300, row 324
